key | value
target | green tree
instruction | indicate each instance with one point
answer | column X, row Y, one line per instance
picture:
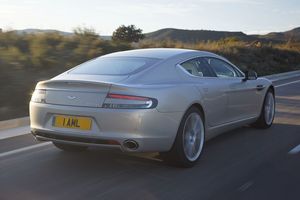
column 128, row 34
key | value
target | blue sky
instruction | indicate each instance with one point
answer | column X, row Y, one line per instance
column 249, row 16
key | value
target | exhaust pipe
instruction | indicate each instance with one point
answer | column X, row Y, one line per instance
column 130, row 144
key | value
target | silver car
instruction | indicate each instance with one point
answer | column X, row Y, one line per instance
column 150, row 100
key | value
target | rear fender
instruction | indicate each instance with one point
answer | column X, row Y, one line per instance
column 171, row 98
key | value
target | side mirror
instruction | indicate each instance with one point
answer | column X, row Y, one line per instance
column 250, row 75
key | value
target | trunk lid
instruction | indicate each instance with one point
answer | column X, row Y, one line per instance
column 78, row 89
column 75, row 92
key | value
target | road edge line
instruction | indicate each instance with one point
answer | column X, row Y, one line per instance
column 8, row 153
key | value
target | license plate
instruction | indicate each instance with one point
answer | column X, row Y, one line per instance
column 82, row 123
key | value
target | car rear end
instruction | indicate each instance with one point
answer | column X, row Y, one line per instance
column 91, row 112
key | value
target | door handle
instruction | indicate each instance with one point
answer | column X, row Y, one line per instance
column 260, row 87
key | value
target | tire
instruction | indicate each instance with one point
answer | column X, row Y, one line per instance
column 189, row 141
column 267, row 114
column 69, row 147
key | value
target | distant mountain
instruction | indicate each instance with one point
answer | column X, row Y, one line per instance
column 32, row 30
column 37, row 31
column 293, row 34
column 194, row 35
column 105, row 37
column 184, row 35
column 205, row 35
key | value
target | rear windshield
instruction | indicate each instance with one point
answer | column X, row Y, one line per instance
column 114, row 65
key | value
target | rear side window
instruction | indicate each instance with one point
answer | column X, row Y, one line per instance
column 114, row 65
column 198, row 67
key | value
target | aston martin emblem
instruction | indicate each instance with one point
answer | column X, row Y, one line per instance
column 72, row 97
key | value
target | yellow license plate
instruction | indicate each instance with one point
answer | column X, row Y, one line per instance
column 62, row 121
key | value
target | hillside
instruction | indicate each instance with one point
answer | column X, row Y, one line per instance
column 293, row 34
column 194, row 35
column 191, row 36
column 63, row 33
column 37, row 31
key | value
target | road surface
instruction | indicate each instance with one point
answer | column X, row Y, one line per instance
column 246, row 163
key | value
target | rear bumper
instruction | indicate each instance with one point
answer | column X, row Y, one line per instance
column 81, row 141
column 152, row 130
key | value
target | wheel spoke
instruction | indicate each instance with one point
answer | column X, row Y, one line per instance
column 190, row 150
column 196, row 127
column 186, row 139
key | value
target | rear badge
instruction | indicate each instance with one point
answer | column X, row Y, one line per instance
column 72, row 97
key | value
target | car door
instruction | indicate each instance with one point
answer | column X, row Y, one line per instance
column 241, row 95
column 212, row 92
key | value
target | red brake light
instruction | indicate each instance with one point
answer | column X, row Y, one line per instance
column 121, row 101
column 127, row 97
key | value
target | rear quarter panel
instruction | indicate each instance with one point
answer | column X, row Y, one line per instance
column 171, row 97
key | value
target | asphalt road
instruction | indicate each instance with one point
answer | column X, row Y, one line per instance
column 246, row 163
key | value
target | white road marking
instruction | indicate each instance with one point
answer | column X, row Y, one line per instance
column 8, row 133
column 245, row 186
column 295, row 150
column 284, row 84
column 8, row 153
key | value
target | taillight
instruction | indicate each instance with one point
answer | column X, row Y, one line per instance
column 121, row 101
column 39, row 96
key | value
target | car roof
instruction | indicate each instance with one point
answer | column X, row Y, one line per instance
column 160, row 53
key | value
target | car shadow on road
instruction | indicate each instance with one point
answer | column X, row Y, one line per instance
column 233, row 145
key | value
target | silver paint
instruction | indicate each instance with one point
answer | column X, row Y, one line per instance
column 227, row 102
